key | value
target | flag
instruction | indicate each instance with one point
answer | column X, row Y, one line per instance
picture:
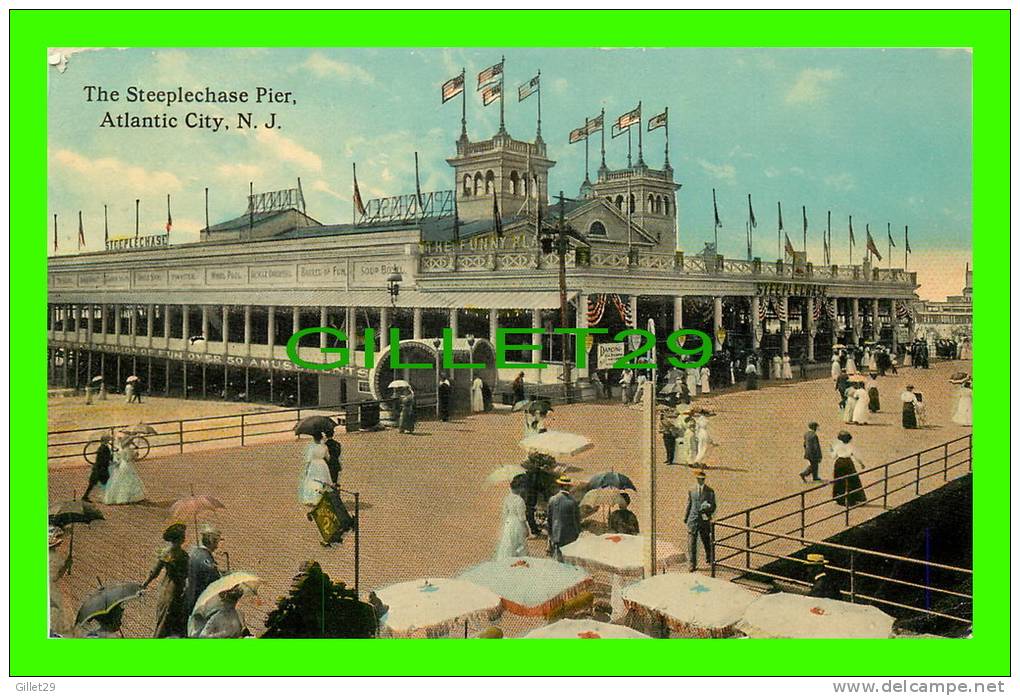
column 54, row 232
column 629, row 119
column 492, row 93
column 803, row 209
column 453, row 87
column 871, row 244
column 715, row 208
column 616, row 130
column 906, row 239
column 594, row 124
column 780, row 206
column 657, row 121
column 789, row 246
column 852, row 240
column 106, row 227
column 169, row 218
column 489, row 74
column 577, row 135
column 496, row 221
column 750, row 212
column 81, row 232
column 417, row 185
column 359, row 206
column 888, row 231
column 527, row 89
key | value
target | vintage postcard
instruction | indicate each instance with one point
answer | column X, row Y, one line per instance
column 525, row 343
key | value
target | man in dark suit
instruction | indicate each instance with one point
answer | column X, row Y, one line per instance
column 564, row 519
column 698, row 517
column 202, row 568
column 822, row 584
column 100, row 472
column 812, row 453
column 333, row 450
column 444, row 393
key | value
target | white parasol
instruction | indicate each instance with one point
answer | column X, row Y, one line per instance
column 505, row 473
column 227, row 582
column 530, row 586
column 132, row 378
column 620, row 554
column 695, row 605
column 399, row 384
column 429, row 608
column 556, row 443
column 584, row 628
column 785, row 615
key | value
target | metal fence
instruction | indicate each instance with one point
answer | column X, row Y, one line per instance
column 748, row 539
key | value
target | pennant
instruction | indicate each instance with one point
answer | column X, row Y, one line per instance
column 417, row 185
column 489, row 74
column 595, row 124
column 852, row 240
column 81, row 232
column 577, row 135
column 169, row 218
column 715, row 208
column 871, row 244
column 657, row 121
column 54, row 232
column 789, row 246
column 492, row 93
column 803, row 209
column 453, row 87
column 750, row 211
column 359, row 206
column 497, row 222
column 527, row 89
column 888, row 231
column 616, row 131
column 906, row 239
column 629, row 119
column 780, row 206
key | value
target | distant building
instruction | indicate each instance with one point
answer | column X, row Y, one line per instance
column 952, row 319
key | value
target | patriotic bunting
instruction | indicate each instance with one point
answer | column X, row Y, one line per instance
column 596, row 309
column 595, row 124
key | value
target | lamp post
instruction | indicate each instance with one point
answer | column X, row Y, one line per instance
column 471, row 356
column 393, row 281
column 436, row 343
column 561, row 252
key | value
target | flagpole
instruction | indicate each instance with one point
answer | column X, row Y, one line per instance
column 828, row 239
column 803, row 210
column 502, row 96
column 747, row 238
column 640, row 127
column 169, row 218
column 55, row 245
column 354, row 208
column 779, row 232
column 715, row 227
column 628, row 148
column 603, row 130
column 585, row 148
column 106, row 227
column 888, row 235
column 81, row 230
column 538, row 134
column 463, row 104
column 251, row 208
column 850, row 240
column 666, row 166
column 750, row 229
column 207, row 209
column 137, row 201
column 906, row 247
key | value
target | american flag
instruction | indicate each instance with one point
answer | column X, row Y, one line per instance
column 595, row 124
column 453, row 87
column 489, row 74
column 657, row 121
column 492, row 93
column 871, row 244
column 577, row 135
column 527, row 89
column 629, row 119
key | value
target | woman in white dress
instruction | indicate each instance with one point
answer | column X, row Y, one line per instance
column 777, row 367
column 693, row 378
column 703, row 437
column 963, row 415
column 315, row 474
column 851, row 364
column 871, row 360
column 477, row 401
column 514, row 527
column 625, row 381
column 860, row 414
column 835, row 366
column 787, row 367
column 706, row 385
column 124, row 486
column 851, row 403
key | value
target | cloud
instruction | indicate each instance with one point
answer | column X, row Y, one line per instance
column 811, row 85
column 238, row 171
column 797, row 170
column 288, row 150
column 841, row 182
column 771, row 172
column 726, row 172
column 321, row 66
column 128, row 177
column 324, row 187
column 560, row 85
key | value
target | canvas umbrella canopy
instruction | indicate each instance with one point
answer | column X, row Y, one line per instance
column 530, row 586
column 958, row 378
column 505, row 474
column 785, row 615
column 619, row 554
column 248, row 581
column 105, row 599
column 315, row 424
column 556, row 443
column 694, row 605
column 540, row 406
column 584, row 628
column 429, row 608
column 611, row 479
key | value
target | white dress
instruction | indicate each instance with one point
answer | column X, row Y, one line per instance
column 835, row 367
column 314, row 475
column 851, row 404
column 704, row 439
column 964, row 407
column 692, row 381
column 871, row 360
column 851, row 366
column 777, row 367
column 860, row 414
column 514, row 528
column 787, row 368
column 477, row 403
column 706, row 387
column 124, row 486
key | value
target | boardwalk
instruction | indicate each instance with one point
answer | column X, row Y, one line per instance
column 427, row 511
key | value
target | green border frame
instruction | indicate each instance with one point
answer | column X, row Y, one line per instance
column 31, row 32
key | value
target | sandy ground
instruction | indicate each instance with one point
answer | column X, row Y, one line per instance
column 427, row 511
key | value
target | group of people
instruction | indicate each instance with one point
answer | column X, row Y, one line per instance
column 685, row 435
column 114, row 474
column 846, row 465
column 858, row 397
column 321, row 467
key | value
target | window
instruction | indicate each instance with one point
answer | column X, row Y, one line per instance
column 665, row 206
column 490, row 182
column 597, row 229
column 514, row 182
column 467, row 184
column 478, row 183
column 632, row 203
column 619, row 202
column 651, row 204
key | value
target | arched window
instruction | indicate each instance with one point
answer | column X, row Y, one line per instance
column 597, row 229
column 478, row 183
column 632, row 203
column 534, row 186
column 514, row 181
column 467, row 184
column 619, row 202
column 490, row 181
column 665, row 206
column 651, row 204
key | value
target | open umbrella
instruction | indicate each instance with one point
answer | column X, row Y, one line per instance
column 315, row 424
column 139, row 429
column 429, row 608
column 132, row 378
column 694, row 605
column 519, row 405
column 530, row 586
column 505, row 473
column 618, row 554
column 105, row 599
column 398, row 384
column 188, row 509
column 584, row 628
column 540, row 406
column 611, row 479
column 227, row 582
column 72, row 511
column 958, row 378
column 97, row 378
column 786, row 615
column 556, row 443
column 601, row 497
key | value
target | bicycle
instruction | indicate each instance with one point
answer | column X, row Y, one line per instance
column 138, row 441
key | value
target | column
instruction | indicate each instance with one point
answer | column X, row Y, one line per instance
column 323, row 318
column 225, row 309
column 351, row 328
column 756, row 329
column 894, row 321
column 855, row 321
column 271, row 330
column 633, row 312
column 75, row 309
column 784, row 327
column 185, row 334
column 582, row 323
column 247, row 335
column 536, row 339
column 494, row 324
column 167, row 317
column 384, row 327
column 205, row 337
column 133, row 323
column 63, row 330
column 453, row 322
column 149, row 312
column 295, row 319
column 88, row 323
column 811, row 330
column 417, row 323
column 103, row 322
column 876, row 328
column 716, row 321
column 116, row 322
column 678, row 313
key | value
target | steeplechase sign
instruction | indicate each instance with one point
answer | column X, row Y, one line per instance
column 149, row 242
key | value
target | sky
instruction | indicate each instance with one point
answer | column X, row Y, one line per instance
column 883, row 135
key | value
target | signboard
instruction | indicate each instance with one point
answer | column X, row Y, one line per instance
column 902, row 334
column 148, row 242
column 608, row 354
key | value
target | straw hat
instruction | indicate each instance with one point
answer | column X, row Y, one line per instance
column 816, row 558
column 565, row 481
column 700, row 474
